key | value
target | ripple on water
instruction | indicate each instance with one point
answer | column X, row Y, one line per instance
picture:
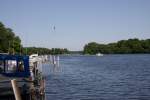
column 111, row 77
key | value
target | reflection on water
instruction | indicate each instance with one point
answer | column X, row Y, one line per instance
column 51, row 69
column 55, row 69
column 111, row 77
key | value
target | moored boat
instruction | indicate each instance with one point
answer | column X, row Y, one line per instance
column 29, row 78
column 99, row 54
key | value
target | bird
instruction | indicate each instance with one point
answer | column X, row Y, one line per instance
column 54, row 28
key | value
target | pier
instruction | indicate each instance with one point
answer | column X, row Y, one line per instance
column 21, row 77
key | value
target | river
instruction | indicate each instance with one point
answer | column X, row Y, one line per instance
column 109, row 77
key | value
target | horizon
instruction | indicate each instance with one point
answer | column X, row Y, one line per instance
column 73, row 23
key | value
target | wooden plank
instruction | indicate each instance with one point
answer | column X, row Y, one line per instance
column 16, row 89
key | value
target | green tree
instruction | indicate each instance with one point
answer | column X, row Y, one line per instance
column 8, row 41
column 121, row 47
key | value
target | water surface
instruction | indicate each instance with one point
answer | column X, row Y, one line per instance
column 110, row 77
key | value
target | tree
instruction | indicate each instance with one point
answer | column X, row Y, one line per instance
column 91, row 48
column 121, row 47
column 8, row 41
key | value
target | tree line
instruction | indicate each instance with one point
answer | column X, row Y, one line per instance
column 42, row 51
column 10, row 43
column 121, row 47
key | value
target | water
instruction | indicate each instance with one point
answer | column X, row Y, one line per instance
column 110, row 77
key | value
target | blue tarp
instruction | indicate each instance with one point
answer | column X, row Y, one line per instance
column 17, row 58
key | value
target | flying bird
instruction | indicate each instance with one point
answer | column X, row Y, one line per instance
column 54, row 28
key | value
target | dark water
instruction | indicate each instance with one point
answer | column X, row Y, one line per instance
column 111, row 77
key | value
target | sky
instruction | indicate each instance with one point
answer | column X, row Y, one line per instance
column 76, row 22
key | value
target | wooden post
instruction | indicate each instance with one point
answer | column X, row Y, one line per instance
column 16, row 90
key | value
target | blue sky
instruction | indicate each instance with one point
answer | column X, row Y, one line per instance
column 77, row 22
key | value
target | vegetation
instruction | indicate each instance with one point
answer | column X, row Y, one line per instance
column 76, row 52
column 9, row 43
column 59, row 51
column 42, row 51
column 121, row 47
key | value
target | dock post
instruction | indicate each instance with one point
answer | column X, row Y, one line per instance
column 16, row 90
column 57, row 61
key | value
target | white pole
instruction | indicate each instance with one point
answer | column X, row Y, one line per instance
column 57, row 60
column 51, row 59
column 16, row 89
column 54, row 60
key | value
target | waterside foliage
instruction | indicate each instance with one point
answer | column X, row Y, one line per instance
column 42, row 51
column 9, row 42
column 129, row 46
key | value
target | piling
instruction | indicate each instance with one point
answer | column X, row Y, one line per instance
column 16, row 89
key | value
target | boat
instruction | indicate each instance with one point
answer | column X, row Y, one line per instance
column 28, row 78
column 99, row 54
